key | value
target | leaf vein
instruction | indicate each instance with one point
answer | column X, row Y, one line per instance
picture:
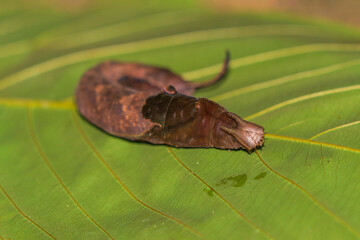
column 117, row 178
column 149, row 44
column 334, row 128
column 52, row 170
column 287, row 79
column 151, row 21
column 219, row 195
column 312, row 142
column 23, row 214
column 32, row 103
column 303, row 98
column 317, row 202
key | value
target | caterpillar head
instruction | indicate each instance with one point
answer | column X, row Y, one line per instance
column 249, row 135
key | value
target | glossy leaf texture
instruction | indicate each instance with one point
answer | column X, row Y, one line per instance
column 62, row 178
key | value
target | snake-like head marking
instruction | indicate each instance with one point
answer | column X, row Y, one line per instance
column 249, row 135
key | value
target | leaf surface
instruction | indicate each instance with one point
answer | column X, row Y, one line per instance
column 62, row 178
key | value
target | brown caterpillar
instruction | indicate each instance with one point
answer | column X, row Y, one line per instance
column 145, row 103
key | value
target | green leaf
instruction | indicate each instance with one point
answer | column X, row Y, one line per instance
column 62, row 178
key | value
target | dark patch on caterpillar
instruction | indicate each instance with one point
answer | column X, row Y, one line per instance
column 145, row 103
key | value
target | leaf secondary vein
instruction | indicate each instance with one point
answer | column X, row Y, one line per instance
column 52, row 170
column 14, row 48
column 67, row 103
column 32, row 103
column 117, row 178
column 122, row 28
column 24, row 215
column 69, row 106
column 13, row 24
column 92, row 35
column 218, row 194
column 274, row 54
column 303, row 98
column 287, row 79
column 317, row 202
column 150, row 44
column 334, row 128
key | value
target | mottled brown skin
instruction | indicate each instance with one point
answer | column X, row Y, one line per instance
column 145, row 103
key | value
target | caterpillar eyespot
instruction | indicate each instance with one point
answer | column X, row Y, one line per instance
column 145, row 103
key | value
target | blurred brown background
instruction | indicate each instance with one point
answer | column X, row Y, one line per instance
column 346, row 11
